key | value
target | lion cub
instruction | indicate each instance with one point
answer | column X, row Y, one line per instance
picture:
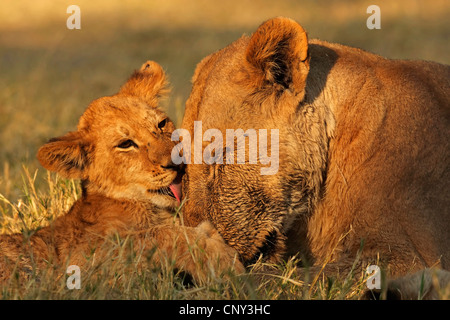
column 121, row 152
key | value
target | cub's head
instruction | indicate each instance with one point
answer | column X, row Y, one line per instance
column 122, row 146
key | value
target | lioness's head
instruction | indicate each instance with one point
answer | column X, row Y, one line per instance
column 257, row 82
column 122, row 146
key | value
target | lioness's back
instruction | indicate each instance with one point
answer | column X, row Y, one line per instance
column 391, row 149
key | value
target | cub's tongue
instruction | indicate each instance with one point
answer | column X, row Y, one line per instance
column 175, row 187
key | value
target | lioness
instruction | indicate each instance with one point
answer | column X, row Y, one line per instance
column 363, row 152
column 121, row 151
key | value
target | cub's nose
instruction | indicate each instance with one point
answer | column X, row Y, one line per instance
column 172, row 166
column 169, row 166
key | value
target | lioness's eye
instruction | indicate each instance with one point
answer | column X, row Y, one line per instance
column 162, row 123
column 127, row 144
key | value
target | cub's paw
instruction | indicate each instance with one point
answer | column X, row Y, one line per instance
column 214, row 256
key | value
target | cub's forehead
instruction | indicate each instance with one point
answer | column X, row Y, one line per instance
column 117, row 110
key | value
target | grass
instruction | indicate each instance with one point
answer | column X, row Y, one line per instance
column 49, row 75
column 126, row 274
column 134, row 276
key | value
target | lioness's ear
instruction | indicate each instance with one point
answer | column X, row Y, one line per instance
column 67, row 155
column 278, row 51
column 148, row 83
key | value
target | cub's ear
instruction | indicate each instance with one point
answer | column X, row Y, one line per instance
column 148, row 83
column 278, row 54
column 67, row 155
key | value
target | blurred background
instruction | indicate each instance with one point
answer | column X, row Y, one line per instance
column 49, row 74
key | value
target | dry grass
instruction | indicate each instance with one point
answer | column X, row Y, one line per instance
column 131, row 274
column 49, row 74
column 124, row 276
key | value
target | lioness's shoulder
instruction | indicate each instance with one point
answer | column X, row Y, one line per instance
column 425, row 80
column 344, row 54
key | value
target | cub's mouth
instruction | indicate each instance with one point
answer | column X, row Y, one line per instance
column 174, row 189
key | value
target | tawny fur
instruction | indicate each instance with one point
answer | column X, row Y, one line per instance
column 124, row 190
column 364, row 152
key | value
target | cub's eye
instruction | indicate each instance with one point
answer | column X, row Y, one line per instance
column 127, row 144
column 162, row 123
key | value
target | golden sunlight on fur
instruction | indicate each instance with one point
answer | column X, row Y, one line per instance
column 364, row 153
column 121, row 152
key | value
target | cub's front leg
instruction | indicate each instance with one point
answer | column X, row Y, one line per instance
column 200, row 250
column 21, row 255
